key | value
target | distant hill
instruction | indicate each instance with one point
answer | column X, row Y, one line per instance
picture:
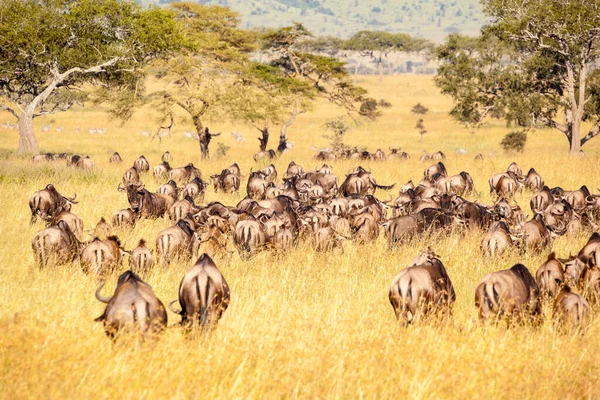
column 431, row 19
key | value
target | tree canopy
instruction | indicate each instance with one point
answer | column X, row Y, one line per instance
column 49, row 49
column 534, row 65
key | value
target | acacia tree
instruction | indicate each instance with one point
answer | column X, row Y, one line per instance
column 319, row 75
column 50, row 49
column 534, row 65
column 215, row 57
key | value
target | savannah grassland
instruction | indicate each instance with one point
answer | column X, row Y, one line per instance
column 301, row 324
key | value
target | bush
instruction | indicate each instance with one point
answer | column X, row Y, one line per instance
column 338, row 128
column 419, row 109
column 222, row 150
column 383, row 103
column 514, row 141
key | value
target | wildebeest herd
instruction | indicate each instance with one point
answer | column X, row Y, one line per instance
column 313, row 206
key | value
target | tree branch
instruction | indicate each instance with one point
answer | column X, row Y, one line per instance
column 10, row 110
column 595, row 131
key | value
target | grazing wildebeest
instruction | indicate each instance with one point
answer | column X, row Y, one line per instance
column 226, row 181
column 102, row 229
column 43, row 157
column 510, row 293
column 515, row 169
column 248, row 236
column 270, row 173
column 166, row 157
column 422, row 289
column 169, row 189
column 133, row 307
column 184, row 174
column 293, row 170
column 203, row 295
column 115, row 158
column 533, row 180
column 257, row 185
column 536, row 235
column 82, row 162
column 541, row 200
column 176, row 242
column 590, row 281
column 550, row 277
column 146, row 204
column 265, row 155
column 48, row 202
column 161, row 171
column 75, row 223
column 131, row 177
column 141, row 164
column 55, row 245
column 438, row 155
column 101, row 257
column 195, row 189
column 433, row 170
column 140, row 259
column 181, row 208
column 396, row 154
column 497, row 241
column 571, row 311
column 125, row 218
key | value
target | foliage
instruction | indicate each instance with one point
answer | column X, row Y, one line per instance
column 514, row 141
column 421, row 127
column 222, row 150
column 419, row 109
column 338, row 128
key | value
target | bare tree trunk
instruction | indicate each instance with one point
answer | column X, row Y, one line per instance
column 380, row 67
column 27, row 141
column 283, row 133
column 356, row 72
column 264, row 140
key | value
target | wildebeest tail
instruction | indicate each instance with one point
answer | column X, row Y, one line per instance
column 491, row 297
column 203, row 290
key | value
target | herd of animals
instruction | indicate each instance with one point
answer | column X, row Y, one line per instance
column 314, row 206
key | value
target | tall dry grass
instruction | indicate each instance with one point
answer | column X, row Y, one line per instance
column 300, row 324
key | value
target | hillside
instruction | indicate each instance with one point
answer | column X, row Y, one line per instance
column 431, row 19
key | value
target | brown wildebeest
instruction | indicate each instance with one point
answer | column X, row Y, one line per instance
column 396, row 154
column 101, row 257
column 406, row 227
column 103, row 229
column 234, row 169
column 497, row 241
column 226, row 181
column 141, row 164
column 550, row 277
column 257, row 185
column 184, row 174
column 75, row 223
column 571, row 312
column 265, row 155
column 203, row 295
column 38, row 158
column 169, row 189
column 473, row 215
column 536, row 235
column 213, row 241
column 590, row 281
column 196, row 189
column 433, row 170
column 515, row 169
column 140, row 259
column 379, row 155
column 461, row 184
column 82, row 162
column 422, row 289
column 176, row 242
column 146, row 204
column 353, row 185
column 48, row 202
column 504, row 184
column 293, row 170
column 283, row 239
column 270, row 173
column 166, row 157
column 115, row 158
column 248, row 236
column 56, row 245
column 364, row 227
column 479, row 157
column 541, row 200
column 326, row 239
column 325, row 155
column 438, row 155
column 577, row 198
column 161, row 171
column 181, row 208
column 131, row 177
column 125, row 218
column 510, row 293
column 133, row 307
column 533, row 180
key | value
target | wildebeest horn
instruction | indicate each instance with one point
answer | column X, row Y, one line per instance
column 173, row 310
column 103, row 299
column 120, row 188
column 72, row 199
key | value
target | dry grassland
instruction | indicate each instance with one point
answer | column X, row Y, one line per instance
column 301, row 324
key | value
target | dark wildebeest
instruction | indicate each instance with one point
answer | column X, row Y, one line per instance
column 196, row 189
column 270, row 173
column 48, row 202
column 578, row 199
column 497, row 241
column 56, row 245
column 181, row 208
column 184, row 174
column 133, row 307
column 571, row 311
column 533, row 181
column 124, row 218
column 131, row 177
column 161, row 171
column 433, row 170
column 590, row 281
column 406, row 227
column 257, row 185
column 293, row 170
column 176, row 242
column 226, row 181
column 515, row 169
column 541, row 200
column 141, row 164
column 422, row 289
column 248, row 236
column 203, row 295
column 75, row 223
column 505, row 184
column 82, row 162
column 115, row 158
column 140, row 259
column 536, row 235
column 43, row 158
column 101, row 257
column 550, row 277
column 265, row 155
column 169, row 189
column 102, row 229
column 146, row 204
column 166, row 157
column 510, row 293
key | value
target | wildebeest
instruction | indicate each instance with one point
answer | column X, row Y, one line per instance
column 146, row 204
column 169, row 189
column 102, row 229
column 141, row 164
column 265, row 155
column 161, row 171
column 226, row 181
column 248, row 236
column 133, row 307
column 115, row 158
column 533, row 181
column 422, row 289
column 195, row 189
column 571, row 311
column 293, row 170
column 590, row 281
column 140, row 259
column 203, row 295
column 48, row 202
column 43, row 158
column 536, row 235
column 257, row 185
column 184, row 174
column 82, row 162
column 101, row 257
column 166, row 157
column 124, row 218
column 55, row 245
column 176, row 242
column 497, row 241
column 550, row 277
column 181, row 208
column 75, row 223
column 510, row 293
column 515, row 169
column 433, row 170
column 131, row 177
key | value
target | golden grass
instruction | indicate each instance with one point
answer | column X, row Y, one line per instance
column 300, row 325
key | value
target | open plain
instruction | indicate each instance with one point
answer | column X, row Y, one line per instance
column 301, row 324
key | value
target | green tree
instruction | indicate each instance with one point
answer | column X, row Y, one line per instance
column 533, row 65
column 50, row 49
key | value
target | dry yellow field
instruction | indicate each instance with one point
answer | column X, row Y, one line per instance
column 302, row 324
